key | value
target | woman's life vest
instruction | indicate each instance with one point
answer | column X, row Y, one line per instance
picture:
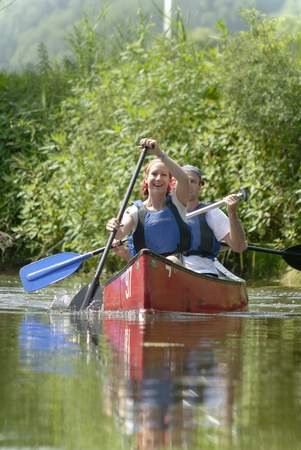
column 203, row 240
column 164, row 232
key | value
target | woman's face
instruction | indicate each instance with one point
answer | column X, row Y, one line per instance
column 158, row 178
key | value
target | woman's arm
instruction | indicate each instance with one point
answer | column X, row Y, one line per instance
column 120, row 250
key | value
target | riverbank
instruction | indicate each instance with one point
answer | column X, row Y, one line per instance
column 292, row 278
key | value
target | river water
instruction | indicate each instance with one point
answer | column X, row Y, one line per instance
column 82, row 381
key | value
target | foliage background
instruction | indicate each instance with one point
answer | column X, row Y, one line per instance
column 69, row 130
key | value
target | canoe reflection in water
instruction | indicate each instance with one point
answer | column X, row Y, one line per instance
column 168, row 380
column 172, row 377
column 44, row 343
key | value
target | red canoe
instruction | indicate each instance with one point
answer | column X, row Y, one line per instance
column 152, row 283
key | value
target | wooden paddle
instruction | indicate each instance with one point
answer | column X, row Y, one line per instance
column 51, row 269
column 84, row 297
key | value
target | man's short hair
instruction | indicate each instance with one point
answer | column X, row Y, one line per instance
column 194, row 169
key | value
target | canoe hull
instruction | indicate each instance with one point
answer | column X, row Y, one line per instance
column 152, row 283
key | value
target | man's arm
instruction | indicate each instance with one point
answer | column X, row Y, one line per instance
column 236, row 238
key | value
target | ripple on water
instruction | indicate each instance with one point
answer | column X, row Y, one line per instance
column 269, row 301
column 275, row 301
column 14, row 298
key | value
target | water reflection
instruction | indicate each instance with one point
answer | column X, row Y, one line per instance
column 71, row 381
column 169, row 378
column 44, row 341
column 165, row 381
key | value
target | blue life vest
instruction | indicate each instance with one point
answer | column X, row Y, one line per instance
column 164, row 232
column 203, row 240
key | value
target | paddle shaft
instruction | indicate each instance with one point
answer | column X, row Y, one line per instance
column 291, row 255
column 273, row 251
column 270, row 251
column 95, row 282
column 214, row 205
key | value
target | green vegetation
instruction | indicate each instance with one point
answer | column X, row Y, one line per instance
column 69, row 131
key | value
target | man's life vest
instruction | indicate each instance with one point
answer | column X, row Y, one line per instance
column 164, row 232
column 203, row 240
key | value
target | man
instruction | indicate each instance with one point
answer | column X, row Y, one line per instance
column 211, row 228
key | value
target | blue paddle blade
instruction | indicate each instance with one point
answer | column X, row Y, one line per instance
column 49, row 270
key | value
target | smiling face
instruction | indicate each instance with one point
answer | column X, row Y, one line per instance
column 157, row 178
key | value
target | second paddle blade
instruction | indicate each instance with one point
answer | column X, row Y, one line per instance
column 53, row 271
column 292, row 256
column 79, row 298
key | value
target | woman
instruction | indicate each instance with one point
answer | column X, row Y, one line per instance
column 158, row 222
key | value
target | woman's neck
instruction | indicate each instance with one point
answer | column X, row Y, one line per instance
column 155, row 202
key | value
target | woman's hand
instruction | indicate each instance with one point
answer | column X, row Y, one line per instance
column 151, row 145
column 119, row 250
column 122, row 229
column 113, row 225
